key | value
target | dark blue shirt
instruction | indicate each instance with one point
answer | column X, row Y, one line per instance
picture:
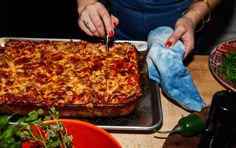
column 138, row 17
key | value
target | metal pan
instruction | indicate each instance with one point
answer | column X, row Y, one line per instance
column 147, row 115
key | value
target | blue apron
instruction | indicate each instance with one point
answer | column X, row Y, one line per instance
column 138, row 17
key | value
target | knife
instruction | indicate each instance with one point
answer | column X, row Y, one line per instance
column 108, row 7
column 106, row 66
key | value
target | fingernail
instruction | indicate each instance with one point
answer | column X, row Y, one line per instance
column 168, row 44
column 111, row 33
column 114, row 24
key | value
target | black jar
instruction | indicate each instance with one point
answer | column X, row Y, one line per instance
column 220, row 131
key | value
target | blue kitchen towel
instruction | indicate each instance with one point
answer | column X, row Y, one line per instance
column 165, row 65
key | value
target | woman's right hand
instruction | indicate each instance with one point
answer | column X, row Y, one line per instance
column 95, row 20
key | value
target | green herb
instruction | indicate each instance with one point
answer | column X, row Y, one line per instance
column 34, row 130
column 188, row 126
column 228, row 66
column 9, row 134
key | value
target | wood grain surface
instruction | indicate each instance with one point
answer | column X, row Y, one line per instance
column 207, row 86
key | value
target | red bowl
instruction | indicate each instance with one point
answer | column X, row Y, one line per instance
column 85, row 135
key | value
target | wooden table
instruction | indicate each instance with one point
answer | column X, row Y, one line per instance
column 207, row 86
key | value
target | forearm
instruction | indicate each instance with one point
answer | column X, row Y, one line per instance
column 199, row 11
column 83, row 3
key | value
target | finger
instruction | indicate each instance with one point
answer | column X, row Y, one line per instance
column 188, row 48
column 94, row 30
column 90, row 26
column 94, row 13
column 174, row 37
column 106, row 19
column 188, row 42
column 98, row 24
column 83, row 25
column 86, row 22
column 185, row 37
column 114, row 20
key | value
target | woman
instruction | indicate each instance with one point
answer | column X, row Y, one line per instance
column 134, row 19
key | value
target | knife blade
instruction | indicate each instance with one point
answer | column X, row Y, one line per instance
column 106, row 67
column 108, row 7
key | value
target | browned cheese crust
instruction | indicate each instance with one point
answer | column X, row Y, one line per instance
column 68, row 72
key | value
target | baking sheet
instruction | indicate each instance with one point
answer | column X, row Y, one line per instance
column 146, row 117
column 148, row 114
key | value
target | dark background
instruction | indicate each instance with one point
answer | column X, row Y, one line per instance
column 58, row 19
column 221, row 27
column 40, row 18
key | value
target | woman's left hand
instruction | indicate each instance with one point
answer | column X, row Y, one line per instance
column 184, row 31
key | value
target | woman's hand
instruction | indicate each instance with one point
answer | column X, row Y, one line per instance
column 95, row 20
column 184, row 30
column 185, row 26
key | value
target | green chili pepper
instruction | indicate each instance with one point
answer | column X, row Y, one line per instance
column 188, row 126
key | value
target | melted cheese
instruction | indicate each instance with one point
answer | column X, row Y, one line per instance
column 69, row 72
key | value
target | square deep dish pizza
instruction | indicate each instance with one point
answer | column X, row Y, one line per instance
column 78, row 78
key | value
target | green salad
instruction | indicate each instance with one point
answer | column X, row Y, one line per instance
column 228, row 66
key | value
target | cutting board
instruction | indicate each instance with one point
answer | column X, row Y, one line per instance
column 178, row 141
